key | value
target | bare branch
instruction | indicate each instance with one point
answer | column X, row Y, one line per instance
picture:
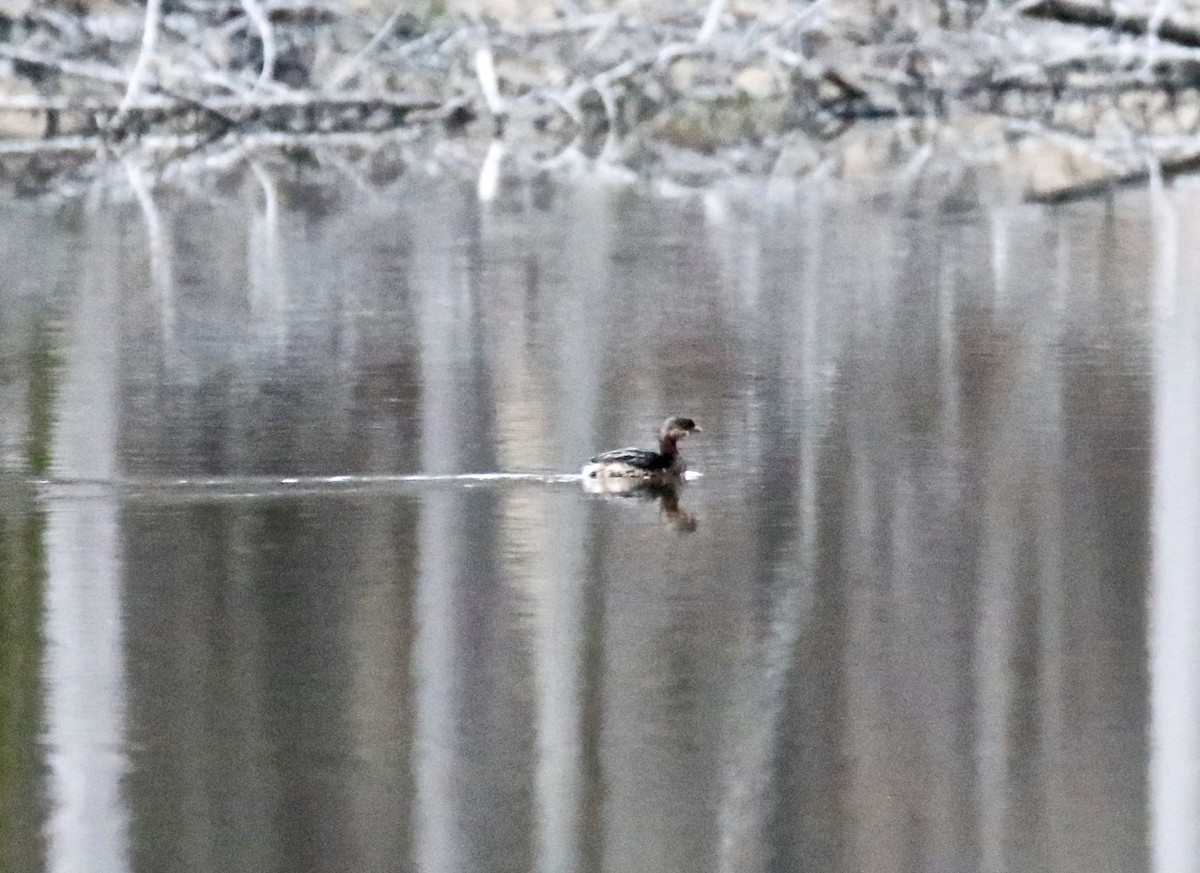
column 1096, row 15
column 83, row 69
column 489, row 173
column 348, row 68
column 266, row 33
column 150, row 28
column 485, row 69
column 712, row 20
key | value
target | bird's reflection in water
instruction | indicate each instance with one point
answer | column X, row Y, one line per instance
column 666, row 494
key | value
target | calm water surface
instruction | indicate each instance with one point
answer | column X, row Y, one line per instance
column 932, row 606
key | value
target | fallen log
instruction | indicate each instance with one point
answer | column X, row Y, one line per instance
column 1166, row 170
column 165, row 113
column 1087, row 14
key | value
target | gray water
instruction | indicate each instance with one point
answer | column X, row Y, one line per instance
column 931, row 604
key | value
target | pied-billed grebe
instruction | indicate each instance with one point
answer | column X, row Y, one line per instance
column 645, row 465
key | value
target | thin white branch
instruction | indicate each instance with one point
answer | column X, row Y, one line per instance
column 150, row 27
column 712, row 20
column 568, row 102
column 485, row 69
column 266, row 33
column 603, row 28
column 489, row 174
column 1153, row 27
column 612, row 138
column 609, row 101
column 348, row 68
